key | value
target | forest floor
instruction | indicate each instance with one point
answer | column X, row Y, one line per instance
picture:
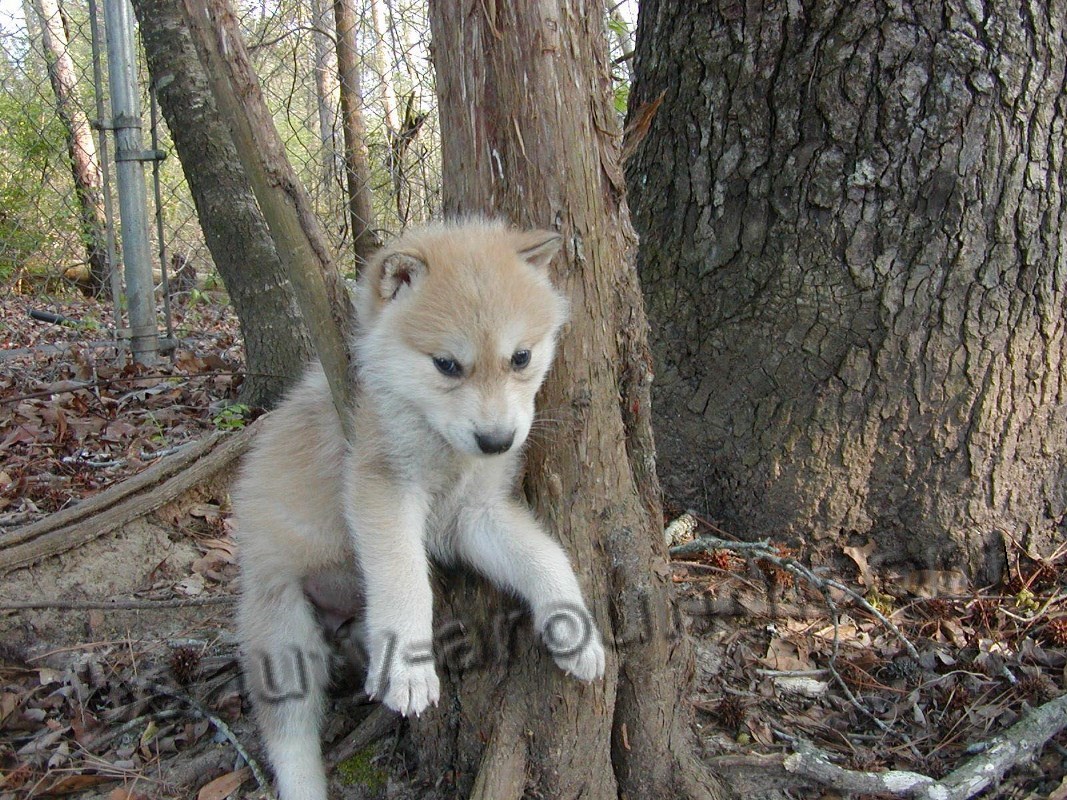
column 122, row 683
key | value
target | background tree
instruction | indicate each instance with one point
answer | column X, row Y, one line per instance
column 529, row 132
column 851, row 217
column 357, row 163
column 276, row 342
column 326, row 87
column 81, row 146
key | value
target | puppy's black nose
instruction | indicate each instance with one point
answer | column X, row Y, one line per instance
column 494, row 442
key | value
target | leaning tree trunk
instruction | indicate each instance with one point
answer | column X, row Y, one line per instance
column 81, row 146
column 276, row 343
column 853, row 251
column 529, row 132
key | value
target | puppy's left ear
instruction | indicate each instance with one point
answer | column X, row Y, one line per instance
column 399, row 272
column 538, row 247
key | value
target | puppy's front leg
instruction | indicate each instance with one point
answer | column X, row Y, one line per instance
column 387, row 523
column 506, row 544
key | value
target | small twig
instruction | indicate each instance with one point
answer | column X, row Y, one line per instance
column 792, row 673
column 120, row 605
column 97, row 383
column 703, row 544
column 762, row 551
column 221, row 727
column 106, row 737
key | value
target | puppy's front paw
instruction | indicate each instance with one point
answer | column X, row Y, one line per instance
column 574, row 642
column 403, row 683
column 587, row 664
column 409, row 689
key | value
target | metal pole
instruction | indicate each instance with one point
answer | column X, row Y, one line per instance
column 153, row 117
column 129, row 171
column 102, row 127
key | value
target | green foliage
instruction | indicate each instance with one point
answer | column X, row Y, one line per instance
column 617, row 25
column 231, row 418
column 622, row 97
column 32, row 148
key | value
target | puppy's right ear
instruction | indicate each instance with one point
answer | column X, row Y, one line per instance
column 399, row 272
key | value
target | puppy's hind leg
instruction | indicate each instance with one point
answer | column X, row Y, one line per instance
column 286, row 669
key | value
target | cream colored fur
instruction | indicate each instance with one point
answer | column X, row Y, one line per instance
column 415, row 485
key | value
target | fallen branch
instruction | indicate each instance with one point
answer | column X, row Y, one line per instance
column 809, row 762
column 111, row 509
column 1019, row 743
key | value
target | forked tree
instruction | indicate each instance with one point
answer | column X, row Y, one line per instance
column 529, row 132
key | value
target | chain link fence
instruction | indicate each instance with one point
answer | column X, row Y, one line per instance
column 54, row 187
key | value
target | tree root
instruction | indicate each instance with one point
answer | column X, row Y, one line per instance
column 377, row 724
column 111, row 509
column 502, row 772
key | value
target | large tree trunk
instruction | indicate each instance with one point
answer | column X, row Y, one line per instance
column 853, row 253
column 276, row 342
column 529, row 132
column 357, row 162
column 81, row 146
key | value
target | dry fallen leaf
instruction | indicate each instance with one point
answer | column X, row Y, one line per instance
column 860, row 556
column 223, row 786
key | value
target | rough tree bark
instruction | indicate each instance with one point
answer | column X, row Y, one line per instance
column 852, row 227
column 529, row 132
column 357, row 162
column 81, row 146
column 277, row 345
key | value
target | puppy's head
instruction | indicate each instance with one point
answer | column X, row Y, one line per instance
column 459, row 320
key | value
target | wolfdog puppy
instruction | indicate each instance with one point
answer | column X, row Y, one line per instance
column 456, row 329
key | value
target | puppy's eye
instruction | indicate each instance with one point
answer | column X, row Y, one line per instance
column 448, row 366
column 520, row 359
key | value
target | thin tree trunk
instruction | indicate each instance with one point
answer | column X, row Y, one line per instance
column 277, row 345
column 357, row 163
column 529, row 131
column 325, row 90
column 81, row 146
column 382, row 64
column 382, row 60
column 852, row 218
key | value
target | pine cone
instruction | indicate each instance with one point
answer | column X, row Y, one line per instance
column 1056, row 632
column 185, row 665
